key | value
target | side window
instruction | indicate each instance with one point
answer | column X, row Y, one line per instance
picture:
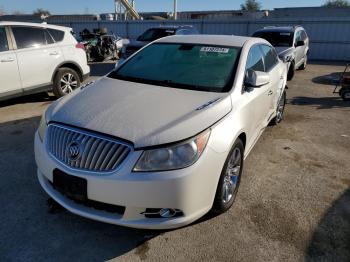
column 30, row 36
column 298, row 36
column 270, row 57
column 303, row 35
column 255, row 59
column 4, row 46
column 57, row 35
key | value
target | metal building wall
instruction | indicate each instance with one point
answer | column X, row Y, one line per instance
column 330, row 38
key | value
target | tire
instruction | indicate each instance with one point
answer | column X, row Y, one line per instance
column 280, row 110
column 291, row 71
column 65, row 75
column 345, row 94
column 304, row 65
column 225, row 195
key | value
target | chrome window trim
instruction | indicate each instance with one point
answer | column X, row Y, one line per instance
column 92, row 134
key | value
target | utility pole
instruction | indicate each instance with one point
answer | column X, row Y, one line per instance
column 175, row 10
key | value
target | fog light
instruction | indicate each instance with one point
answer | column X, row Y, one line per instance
column 162, row 213
column 167, row 212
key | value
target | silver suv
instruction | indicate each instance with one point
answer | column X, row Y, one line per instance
column 291, row 44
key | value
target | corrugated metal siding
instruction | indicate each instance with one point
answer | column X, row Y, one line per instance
column 330, row 37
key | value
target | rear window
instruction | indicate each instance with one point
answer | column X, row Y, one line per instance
column 282, row 39
column 57, row 35
column 155, row 33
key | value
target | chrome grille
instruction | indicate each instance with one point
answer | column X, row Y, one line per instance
column 82, row 150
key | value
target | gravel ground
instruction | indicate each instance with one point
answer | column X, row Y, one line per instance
column 293, row 204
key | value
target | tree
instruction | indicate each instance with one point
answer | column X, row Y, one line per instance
column 251, row 5
column 336, row 3
column 41, row 12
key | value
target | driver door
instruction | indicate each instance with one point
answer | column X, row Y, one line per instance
column 257, row 100
column 9, row 74
column 299, row 50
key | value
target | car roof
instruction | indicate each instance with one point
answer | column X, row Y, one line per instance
column 224, row 40
column 43, row 25
column 289, row 29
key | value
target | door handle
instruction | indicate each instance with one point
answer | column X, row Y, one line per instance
column 270, row 93
column 54, row 53
column 7, row 60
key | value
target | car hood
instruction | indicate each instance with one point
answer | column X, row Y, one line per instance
column 145, row 115
column 284, row 51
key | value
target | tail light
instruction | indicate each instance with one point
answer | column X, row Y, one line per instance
column 81, row 46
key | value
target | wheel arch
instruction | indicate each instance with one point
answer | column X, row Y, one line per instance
column 69, row 64
column 243, row 138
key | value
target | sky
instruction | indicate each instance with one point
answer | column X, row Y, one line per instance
column 106, row 6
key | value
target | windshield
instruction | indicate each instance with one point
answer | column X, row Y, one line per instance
column 283, row 39
column 155, row 33
column 187, row 66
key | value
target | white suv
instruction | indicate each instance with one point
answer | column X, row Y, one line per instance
column 39, row 57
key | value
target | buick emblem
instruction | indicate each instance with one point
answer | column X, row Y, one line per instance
column 74, row 151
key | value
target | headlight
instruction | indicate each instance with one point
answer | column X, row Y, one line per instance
column 173, row 157
column 42, row 128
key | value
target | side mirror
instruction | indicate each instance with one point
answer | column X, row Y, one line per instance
column 256, row 79
column 119, row 63
column 300, row 43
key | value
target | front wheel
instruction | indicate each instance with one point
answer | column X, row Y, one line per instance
column 291, row 71
column 230, row 179
column 280, row 110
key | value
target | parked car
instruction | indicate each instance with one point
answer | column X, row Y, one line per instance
column 291, row 43
column 161, row 140
column 100, row 45
column 39, row 57
column 155, row 33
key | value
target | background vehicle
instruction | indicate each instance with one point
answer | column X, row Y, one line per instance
column 342, row 84
column 100, row 46
column 154, row 34
column 39, row 57
column 291, row 43
column 182, row 110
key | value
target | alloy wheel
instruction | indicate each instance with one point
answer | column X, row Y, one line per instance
column 280, row 108
column 68, row 83
column 231, row 179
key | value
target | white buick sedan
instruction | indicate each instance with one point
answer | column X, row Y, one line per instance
column 160, row 141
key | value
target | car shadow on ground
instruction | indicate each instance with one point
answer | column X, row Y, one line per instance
column 320, row 102
column 100, row 69
column 331, row 239
column 40, row 97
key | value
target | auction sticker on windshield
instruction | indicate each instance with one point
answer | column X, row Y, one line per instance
column 209, row 49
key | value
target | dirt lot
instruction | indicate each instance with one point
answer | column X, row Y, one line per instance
column 293, row 204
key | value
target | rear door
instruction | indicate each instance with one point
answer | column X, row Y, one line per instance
column 275, row 71
column 38, row 56
column 9, row 75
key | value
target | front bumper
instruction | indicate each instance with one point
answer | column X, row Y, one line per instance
column 191, row 190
